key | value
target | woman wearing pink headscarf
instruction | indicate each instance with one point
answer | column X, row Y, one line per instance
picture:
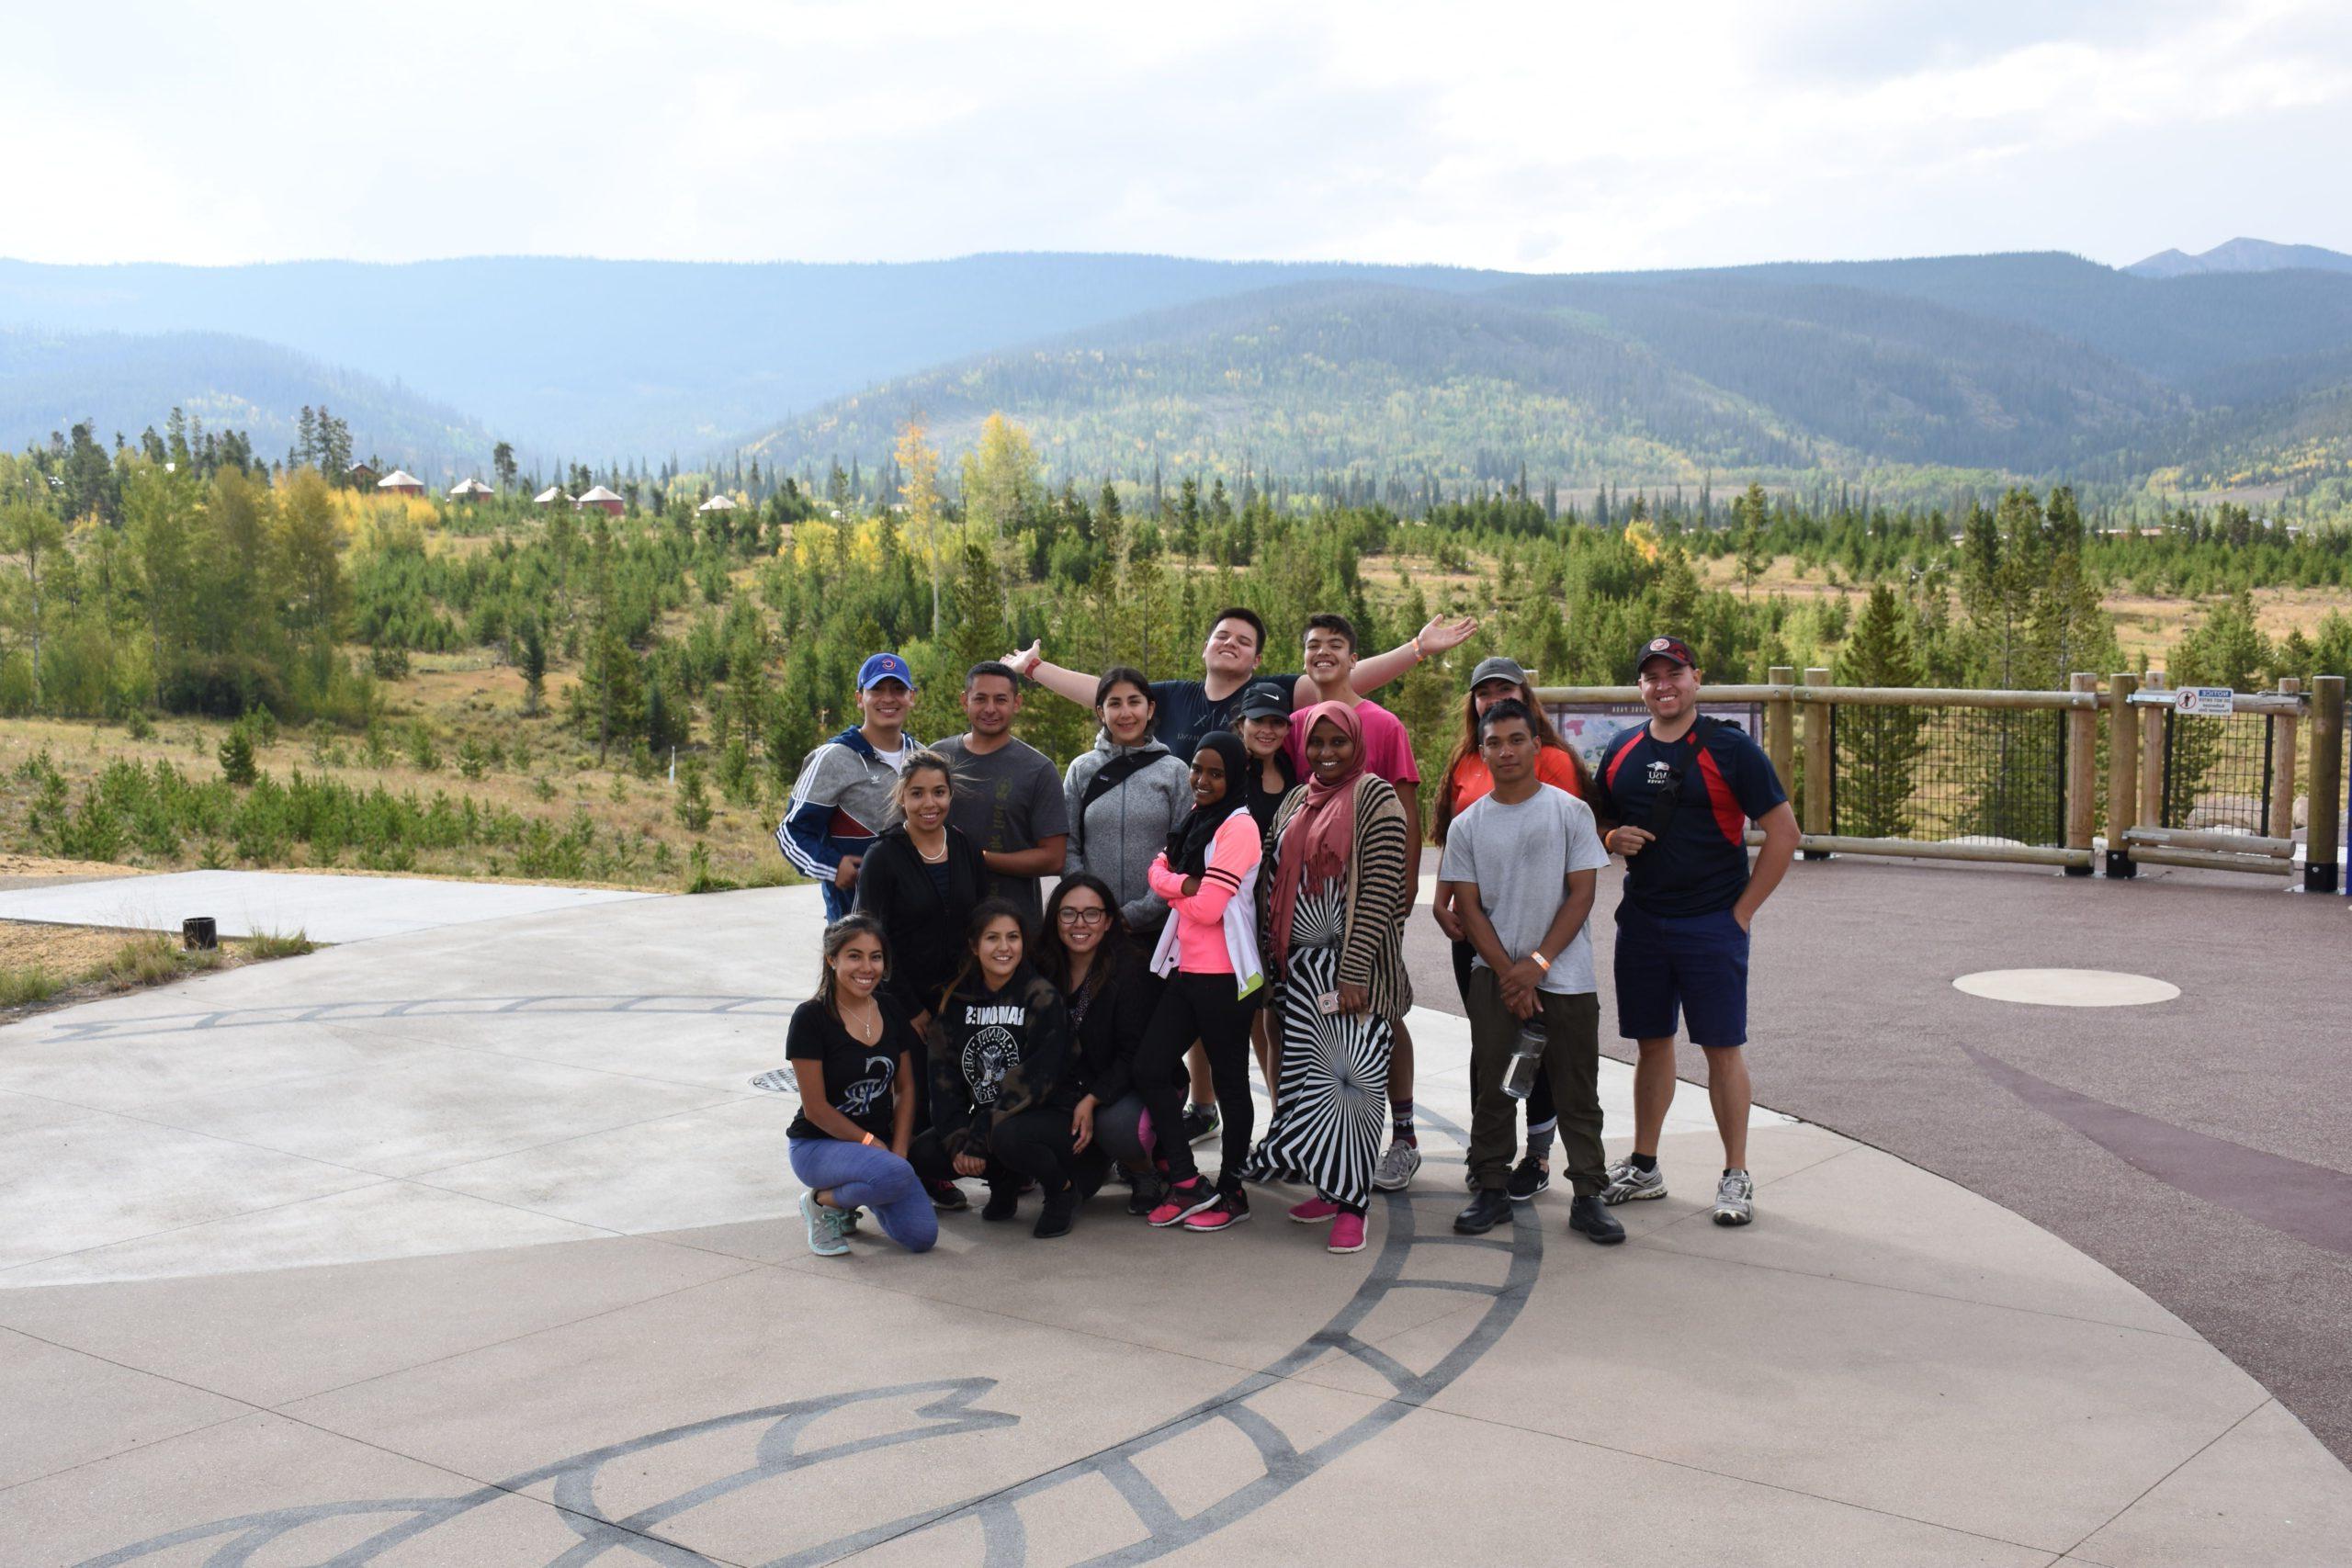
column 1328, row 919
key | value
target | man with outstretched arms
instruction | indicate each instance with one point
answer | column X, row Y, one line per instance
column 841, row 799
column 1675, row 797
column 1190, row 709
column 1009, row 797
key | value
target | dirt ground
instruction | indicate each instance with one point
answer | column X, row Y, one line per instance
column 74, row 956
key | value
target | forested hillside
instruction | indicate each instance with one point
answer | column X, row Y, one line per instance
column 52, row 381
column 1914, row 379
column 136, row 588
column 1353, row 379
column 639, row 359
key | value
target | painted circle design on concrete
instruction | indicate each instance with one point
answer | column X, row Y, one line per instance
column 2068, row 987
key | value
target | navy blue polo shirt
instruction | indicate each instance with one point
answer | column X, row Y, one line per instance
column 1699, row 864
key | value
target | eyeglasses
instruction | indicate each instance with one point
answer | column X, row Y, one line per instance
column 1082, row 917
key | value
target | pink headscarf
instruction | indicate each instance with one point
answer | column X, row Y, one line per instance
column 1317, row 843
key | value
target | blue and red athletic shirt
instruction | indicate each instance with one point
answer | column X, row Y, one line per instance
column 1699, row 864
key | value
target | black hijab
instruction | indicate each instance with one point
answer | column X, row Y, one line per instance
column 1187, row 846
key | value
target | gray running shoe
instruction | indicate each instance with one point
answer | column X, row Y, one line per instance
column 1734, row 1199
column 1394, row 1171
column 1627, row 1182
column 825, row 1227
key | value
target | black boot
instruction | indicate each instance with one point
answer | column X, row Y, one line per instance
column 1590, row 1215
column 1060, row 1213
column 1490, row 1208
column 1002, row 1202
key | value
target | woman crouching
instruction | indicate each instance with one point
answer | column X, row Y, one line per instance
column 852, row 1054
column 1000, row 1044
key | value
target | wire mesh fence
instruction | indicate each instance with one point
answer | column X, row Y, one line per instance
column 1949, row 772
column 2218, row 771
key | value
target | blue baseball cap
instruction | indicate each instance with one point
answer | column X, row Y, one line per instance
column 884, row 667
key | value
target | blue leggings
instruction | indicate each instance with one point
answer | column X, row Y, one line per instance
column 867, row 1177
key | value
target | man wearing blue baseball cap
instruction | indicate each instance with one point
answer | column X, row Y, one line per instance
column 841, row 799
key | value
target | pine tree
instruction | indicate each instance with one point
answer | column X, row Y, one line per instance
column 1878, row 749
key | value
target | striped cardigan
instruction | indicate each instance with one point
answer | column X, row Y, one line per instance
column 1372, row 940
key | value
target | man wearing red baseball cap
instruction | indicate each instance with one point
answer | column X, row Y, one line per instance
column 1675, row 797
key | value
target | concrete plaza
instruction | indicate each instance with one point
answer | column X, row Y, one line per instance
column 473, row 1244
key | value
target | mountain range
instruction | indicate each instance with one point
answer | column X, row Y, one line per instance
column 2036, row 363
column 2242, row 254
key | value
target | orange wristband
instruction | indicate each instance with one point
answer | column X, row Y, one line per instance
column 867, row 1140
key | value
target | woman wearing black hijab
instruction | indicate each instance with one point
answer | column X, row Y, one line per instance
column 1209, row 876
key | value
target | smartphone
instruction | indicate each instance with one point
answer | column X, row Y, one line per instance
column 1327, row 1002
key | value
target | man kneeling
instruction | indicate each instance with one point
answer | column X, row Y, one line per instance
column 1520, row 866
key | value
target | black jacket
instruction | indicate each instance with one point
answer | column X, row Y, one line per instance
column 994, row 1055
column 1103, row 1047
column 925, row 931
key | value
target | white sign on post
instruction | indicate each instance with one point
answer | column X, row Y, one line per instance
column 2205, row 702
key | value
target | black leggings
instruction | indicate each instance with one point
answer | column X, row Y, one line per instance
column 1033, row 1144
column 1201, row 1008
column 1539, row 1098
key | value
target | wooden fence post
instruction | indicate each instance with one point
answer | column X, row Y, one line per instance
column 2082, row 771
column 1779, row 728
column 2319, row 846
column 1819, row 766
column 2283, row 736
column 2123, row 771
column 2153, row 719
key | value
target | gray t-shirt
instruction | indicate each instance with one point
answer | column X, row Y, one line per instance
column 1520, row 857
column 1008, row 799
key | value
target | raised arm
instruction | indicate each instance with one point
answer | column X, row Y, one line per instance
column 1075, row 684
column 1441, row 636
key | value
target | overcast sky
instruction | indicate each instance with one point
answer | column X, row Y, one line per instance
column 1563, row 136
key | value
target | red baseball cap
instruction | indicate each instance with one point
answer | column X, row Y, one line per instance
column 1672, row 648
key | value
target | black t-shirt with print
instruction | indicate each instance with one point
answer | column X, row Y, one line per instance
column 1186, row 713
column 1723, row 781
column 858, row 1077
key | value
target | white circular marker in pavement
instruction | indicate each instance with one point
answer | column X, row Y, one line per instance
column 2068, row 987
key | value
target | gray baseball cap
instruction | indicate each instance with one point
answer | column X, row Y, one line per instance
column 1495, row 667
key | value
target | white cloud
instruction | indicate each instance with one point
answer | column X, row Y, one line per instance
column 1553, row 136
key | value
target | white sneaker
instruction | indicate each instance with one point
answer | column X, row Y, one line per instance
column 1628, row 1182
column 1396, row 1168
column 825, row 1227
column 1734, row 1199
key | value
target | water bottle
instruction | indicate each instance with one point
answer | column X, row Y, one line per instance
column 1526, row 1059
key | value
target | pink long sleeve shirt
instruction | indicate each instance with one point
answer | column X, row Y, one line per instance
column 1199, row 920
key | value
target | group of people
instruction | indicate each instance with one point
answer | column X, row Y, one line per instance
column 1236, row 861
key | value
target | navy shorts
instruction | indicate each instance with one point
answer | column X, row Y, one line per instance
column 1695, row 965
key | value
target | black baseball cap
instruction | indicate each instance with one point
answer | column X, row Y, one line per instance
column 1672, row 648
column 1266, row 699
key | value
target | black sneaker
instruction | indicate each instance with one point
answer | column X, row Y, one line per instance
column 948, row 1197
column 1490, row 1208
column 1199, row 1124
column 1003, row 1202
column 1590, row 1215
column 1147, row 1191
column 1528, row 1178
column 1059, row 1214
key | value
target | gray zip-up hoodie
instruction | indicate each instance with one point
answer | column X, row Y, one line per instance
column 1117, row 837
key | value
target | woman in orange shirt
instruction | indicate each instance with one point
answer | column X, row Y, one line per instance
column 1467, row 779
